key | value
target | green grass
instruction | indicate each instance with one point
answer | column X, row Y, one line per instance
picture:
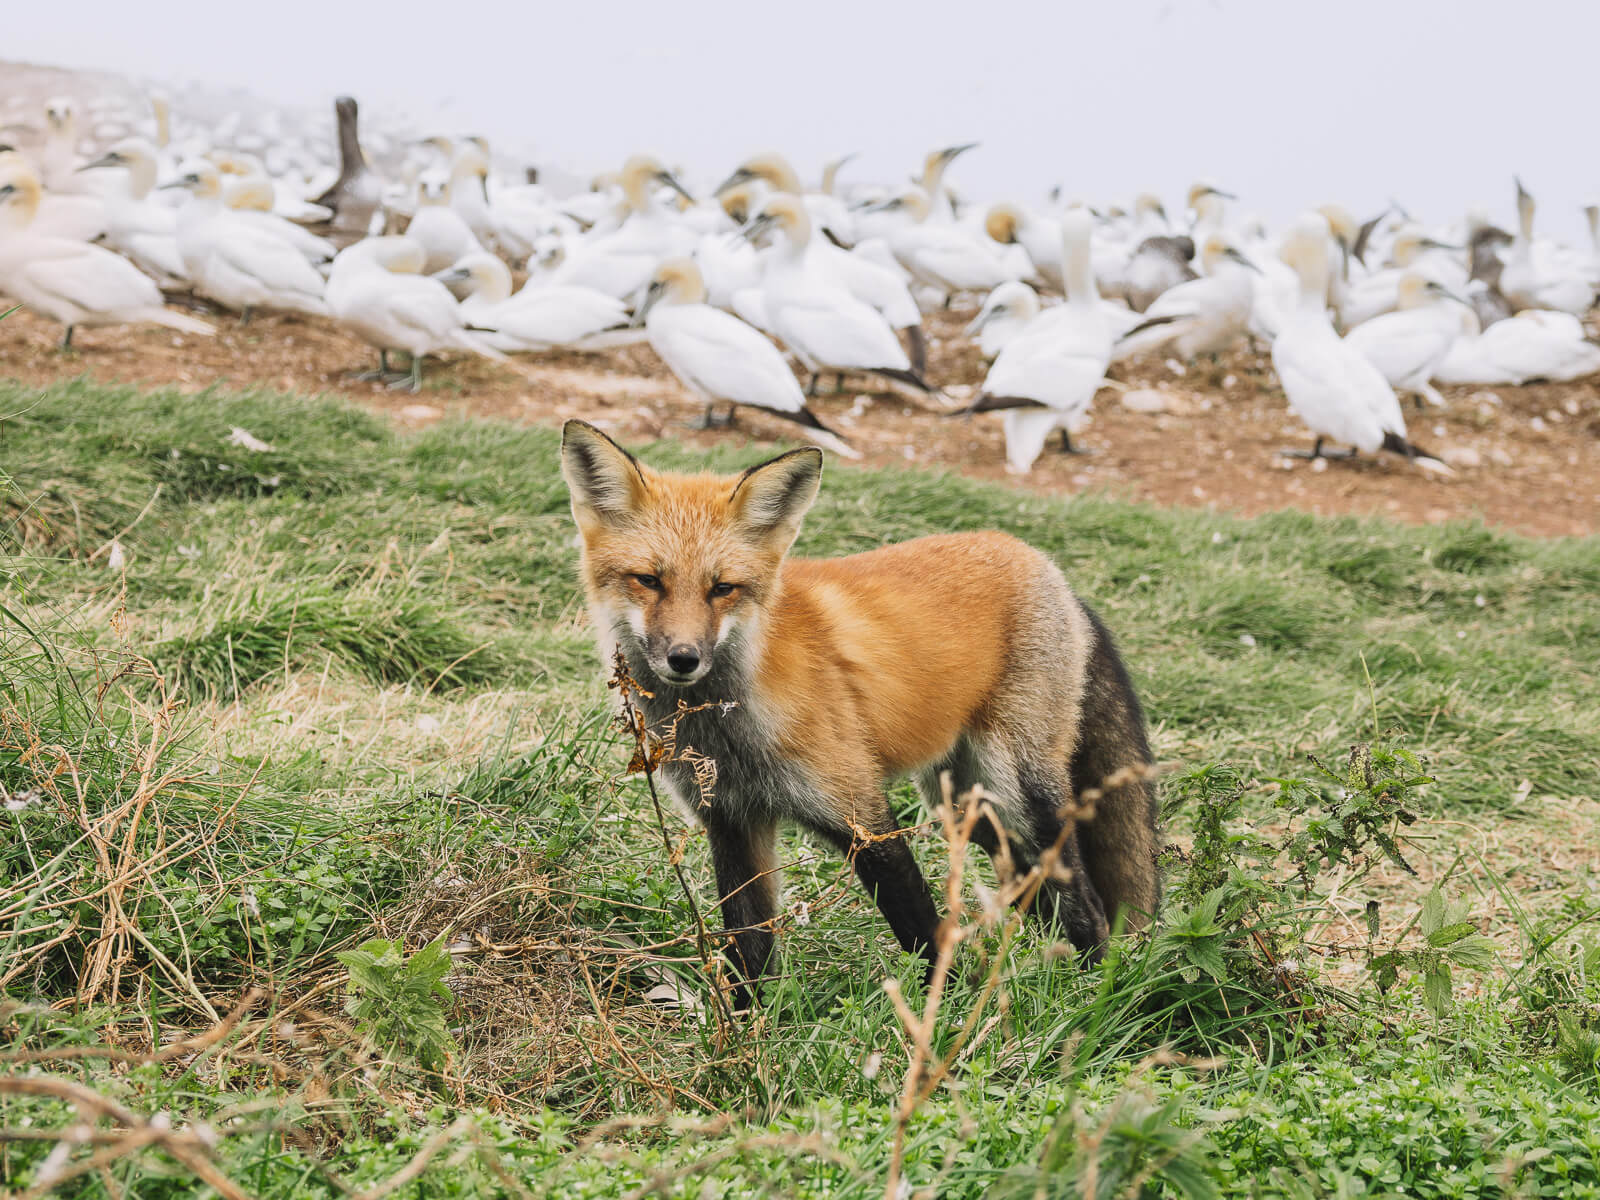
column 340, row 689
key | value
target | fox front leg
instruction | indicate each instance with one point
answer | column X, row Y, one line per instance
column 743, row 855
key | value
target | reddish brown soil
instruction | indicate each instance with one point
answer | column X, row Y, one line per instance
column 1535, row 447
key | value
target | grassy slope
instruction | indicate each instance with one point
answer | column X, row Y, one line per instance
column 399, row 619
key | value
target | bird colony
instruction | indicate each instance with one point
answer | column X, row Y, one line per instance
column 754, row 271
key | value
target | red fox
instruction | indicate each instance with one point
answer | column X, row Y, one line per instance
column 965, row 653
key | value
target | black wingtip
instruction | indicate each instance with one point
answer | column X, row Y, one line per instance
column 1396, row 444
column 804, row 416
column 992, row 403
column 900, row 375
column 1151, row 323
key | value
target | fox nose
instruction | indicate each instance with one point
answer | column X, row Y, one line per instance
column 683, row 659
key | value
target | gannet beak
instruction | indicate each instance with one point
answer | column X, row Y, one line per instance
column 757, row 227
column 951, row 153
column 651, row 295
column 1522, row 192
column 1429, row 243
column 739, row 176
column 844, row 158
column 453, row 275
column 181, row 182
column 889, row 205
column 1235, row 256
column 109, row 159
column 976, row 325
column 671, row 180
column 6, row 191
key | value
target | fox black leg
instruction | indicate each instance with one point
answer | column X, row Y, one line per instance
column 743, row 856
column 889, row 872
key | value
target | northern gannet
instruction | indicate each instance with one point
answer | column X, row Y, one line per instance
column 374, row 289
column 536, row 318
column 68, row 281
column 1006, row 312
column 234, row 260
column 1409, row 344
column 1536, row 344
column 1046, row 377
column 354, row 196
column 1534, row 277
column 1039, row 237
column 439, row 229
column 142, row 231
column 939, row 254
column 622, row 262
column 1203, row 316
column 721, row 359
column 1329, row 384
column 817, row 318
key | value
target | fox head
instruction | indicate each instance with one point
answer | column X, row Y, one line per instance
column 678, row 566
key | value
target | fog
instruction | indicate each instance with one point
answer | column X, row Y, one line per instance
column 1288, row 105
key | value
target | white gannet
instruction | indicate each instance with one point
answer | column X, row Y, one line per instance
column 818, row 319
column 1536, row 344
column 1039, row 237
column 1329, row 384
column 68, row 281
column 1378, row 292
column 1532, row 279
column 536, row 318
column 1046, row 377
column 940, row 254
column 1409, row 344
column 728, row 263
column 374, row 288
column 235, row 261
column 1203, row 316
column 1006, row 312
column 144, row 232
column 883, row 287
column 439, row 229
column 941, row 209
column 622, row 262
column 721, row 359
column 252, row 197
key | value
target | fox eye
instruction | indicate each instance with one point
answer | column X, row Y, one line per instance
column 653, row 582
column 724, row 589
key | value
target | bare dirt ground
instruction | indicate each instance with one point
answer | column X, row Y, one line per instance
column 1525, row 457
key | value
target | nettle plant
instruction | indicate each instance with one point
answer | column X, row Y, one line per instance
column 399, row 1002
column 1245, row 905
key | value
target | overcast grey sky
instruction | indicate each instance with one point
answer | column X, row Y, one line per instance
column 1287, row 103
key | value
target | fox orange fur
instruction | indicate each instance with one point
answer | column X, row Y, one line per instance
column 965, row 653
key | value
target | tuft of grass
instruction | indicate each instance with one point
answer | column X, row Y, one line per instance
column 387, row 635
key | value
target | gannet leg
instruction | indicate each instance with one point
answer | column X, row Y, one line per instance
column 1068, row 448
column 412, row 382
column 1318, row 452
column 384, row 374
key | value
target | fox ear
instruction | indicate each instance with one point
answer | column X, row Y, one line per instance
column 772, row 498
column 606, row 482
